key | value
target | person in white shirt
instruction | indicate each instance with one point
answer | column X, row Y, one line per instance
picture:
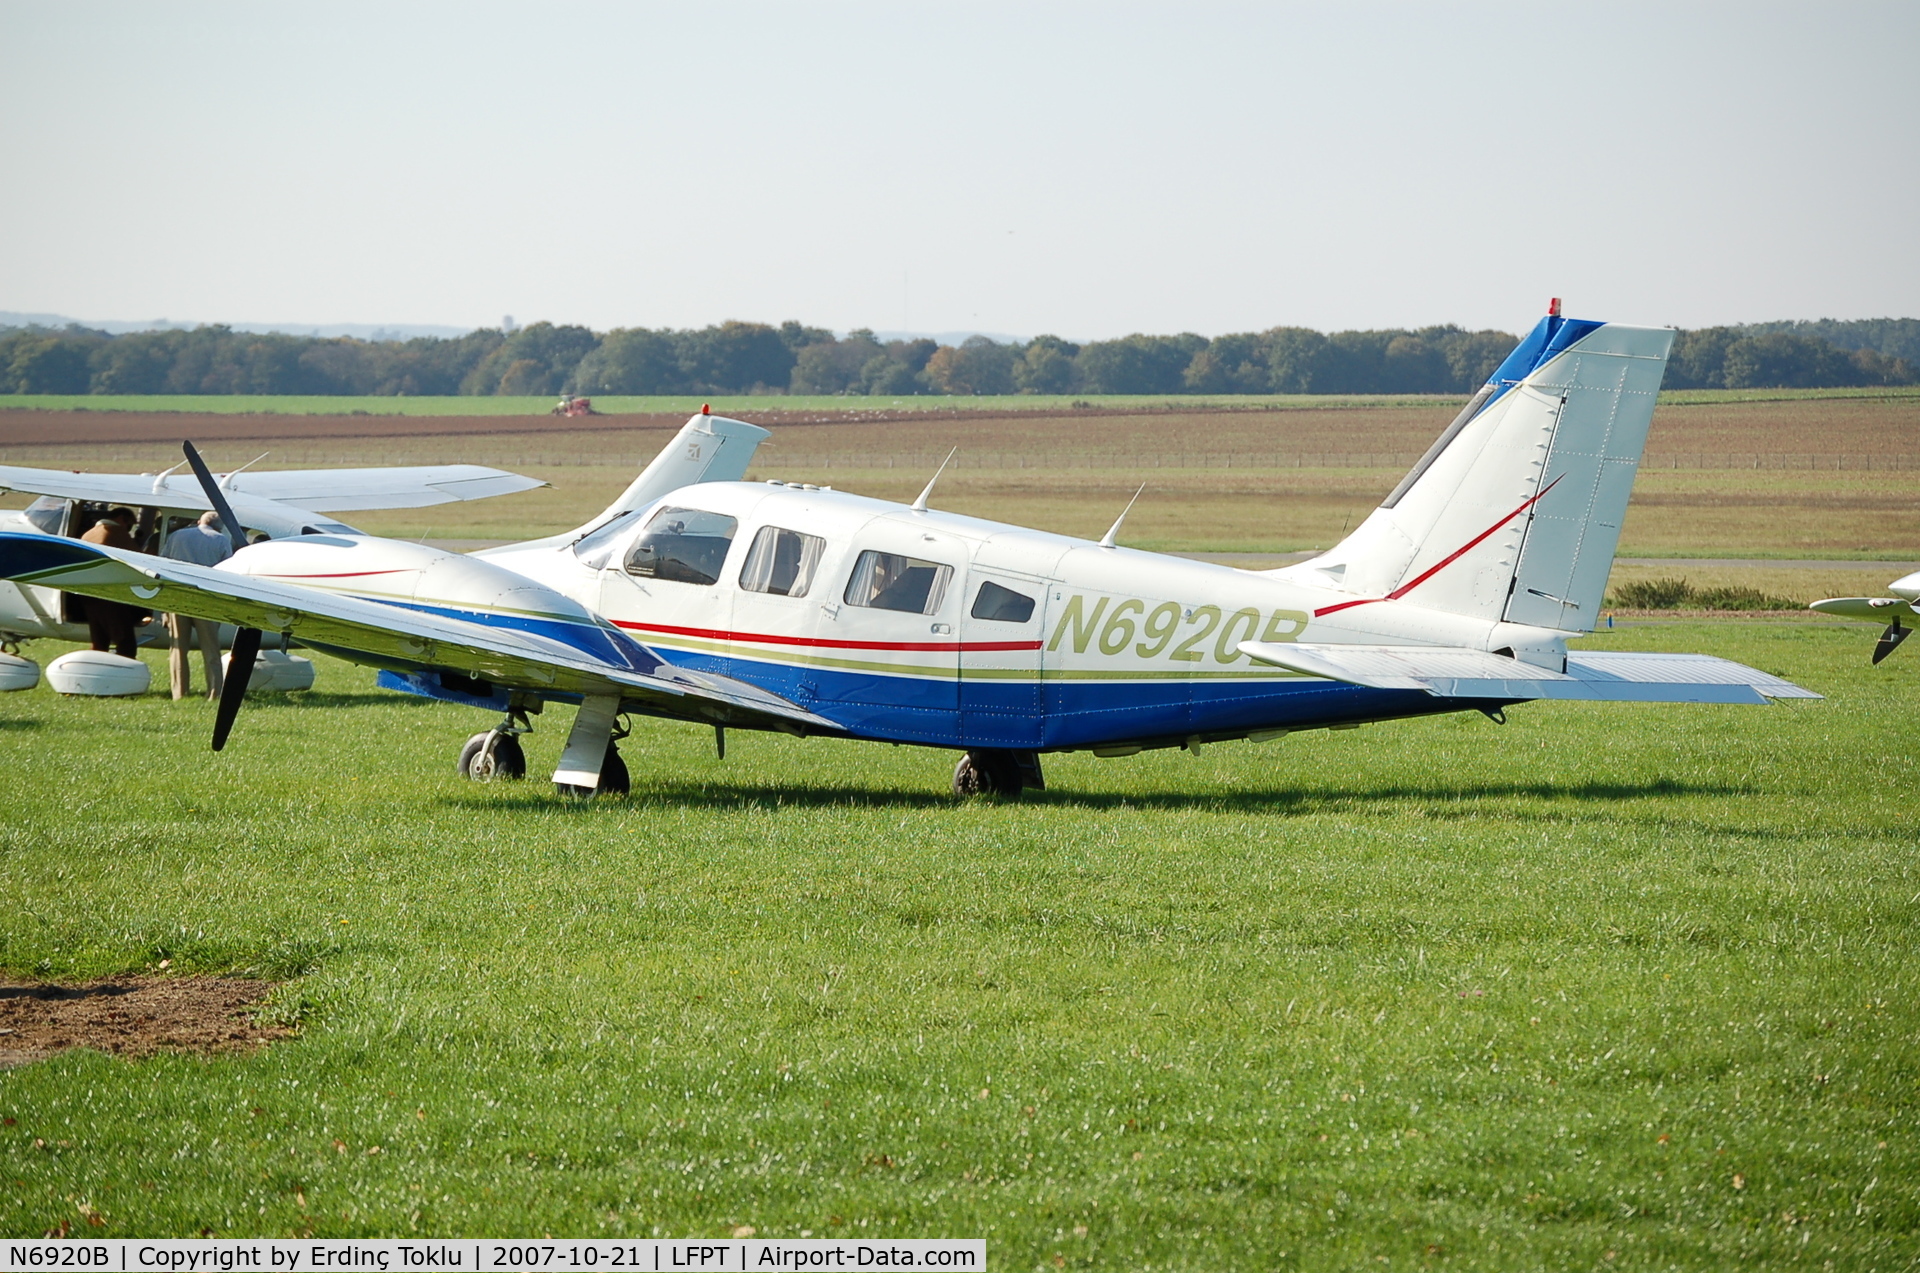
column 205, row 544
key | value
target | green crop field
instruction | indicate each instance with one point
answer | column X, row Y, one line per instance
column 1609, row 987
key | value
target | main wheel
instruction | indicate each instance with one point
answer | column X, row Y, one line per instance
column 614, row 780
column 504, row 760
column 987, row 773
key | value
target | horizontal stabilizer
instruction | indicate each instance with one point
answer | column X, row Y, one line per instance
column 1875, row 609
column 1591, row 676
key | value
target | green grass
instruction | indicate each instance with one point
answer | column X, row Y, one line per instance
column 1611, row 979
column 619, row 404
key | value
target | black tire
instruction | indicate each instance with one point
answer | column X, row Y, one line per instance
column 614, row 780
column 987, row 773
column 506, row 761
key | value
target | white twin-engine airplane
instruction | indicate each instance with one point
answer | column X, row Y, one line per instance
column 786, row 606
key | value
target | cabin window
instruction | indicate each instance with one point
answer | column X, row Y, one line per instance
column 1002, row 605
column 594, row 547
column 687, row 545
column 781, row 562
column 889, row 581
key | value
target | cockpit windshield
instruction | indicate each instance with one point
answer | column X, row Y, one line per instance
column 594, row 547
column 47, row 514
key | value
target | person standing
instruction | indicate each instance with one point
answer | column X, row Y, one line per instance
column 204, row 544
column 110, row 623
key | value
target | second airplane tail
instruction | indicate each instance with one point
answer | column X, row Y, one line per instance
column 1514, row 513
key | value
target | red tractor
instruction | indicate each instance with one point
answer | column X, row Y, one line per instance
column 572, row 406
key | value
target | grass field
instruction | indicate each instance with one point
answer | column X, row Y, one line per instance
column 1611, row 987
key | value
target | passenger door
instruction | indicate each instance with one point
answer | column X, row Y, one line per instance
column 888, row 650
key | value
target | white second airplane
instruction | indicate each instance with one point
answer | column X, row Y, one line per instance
column 1903, row 604
column 791, row 607
column 282, row 502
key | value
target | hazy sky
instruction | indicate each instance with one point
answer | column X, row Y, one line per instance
column 1087, row 169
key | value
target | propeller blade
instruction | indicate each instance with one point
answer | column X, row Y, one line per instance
column 218, row 499
column 246, row 648
column 1890, row 640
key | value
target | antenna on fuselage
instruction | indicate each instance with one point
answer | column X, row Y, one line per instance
column 1110, row 539
column 920, row 505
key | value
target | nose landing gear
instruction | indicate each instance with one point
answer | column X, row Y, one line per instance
column 993, row 772
column 496, row 755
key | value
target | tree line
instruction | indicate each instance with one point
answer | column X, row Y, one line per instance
column 747, row 358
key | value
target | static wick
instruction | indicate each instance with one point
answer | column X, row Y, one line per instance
column 920, row 505
column 1111, row 539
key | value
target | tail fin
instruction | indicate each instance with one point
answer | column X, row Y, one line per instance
column 708, row 448
column 1514, row 513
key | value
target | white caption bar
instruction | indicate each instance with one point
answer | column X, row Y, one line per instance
column 519, row 1255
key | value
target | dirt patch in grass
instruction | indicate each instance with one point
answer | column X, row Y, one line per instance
column 133, row 1016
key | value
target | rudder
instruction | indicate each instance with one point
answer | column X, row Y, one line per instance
column 1514, row 513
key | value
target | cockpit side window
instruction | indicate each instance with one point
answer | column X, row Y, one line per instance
column 889, row 581
column 1002, row 605
column 781, row 562
column 594, row 547
column 688, row 545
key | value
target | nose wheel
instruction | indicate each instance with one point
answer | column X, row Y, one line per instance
column 497, row 755
column 997, row 773
column 494, row 756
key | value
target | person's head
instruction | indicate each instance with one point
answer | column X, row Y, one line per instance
column 122, row 515
column 210, row 520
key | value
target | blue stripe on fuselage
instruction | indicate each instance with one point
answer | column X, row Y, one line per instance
column 1059, row 713
column 604, row 644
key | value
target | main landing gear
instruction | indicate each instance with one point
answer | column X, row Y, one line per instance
column 591, row 765
column 992, row 772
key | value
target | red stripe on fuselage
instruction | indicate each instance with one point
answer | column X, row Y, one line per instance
column 1444, row 562
column 761, row 638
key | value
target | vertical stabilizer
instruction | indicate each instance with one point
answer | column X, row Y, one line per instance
column 709, row 448
column 1515, row 511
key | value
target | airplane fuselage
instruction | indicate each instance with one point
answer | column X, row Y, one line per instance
column 1020, row 639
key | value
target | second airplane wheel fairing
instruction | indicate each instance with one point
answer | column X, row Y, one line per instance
column 505, row 761
column 987, row 773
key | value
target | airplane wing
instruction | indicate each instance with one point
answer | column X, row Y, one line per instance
column 1594, row 676
column 313, row 490
column 1877, row 609
column 555, row 655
